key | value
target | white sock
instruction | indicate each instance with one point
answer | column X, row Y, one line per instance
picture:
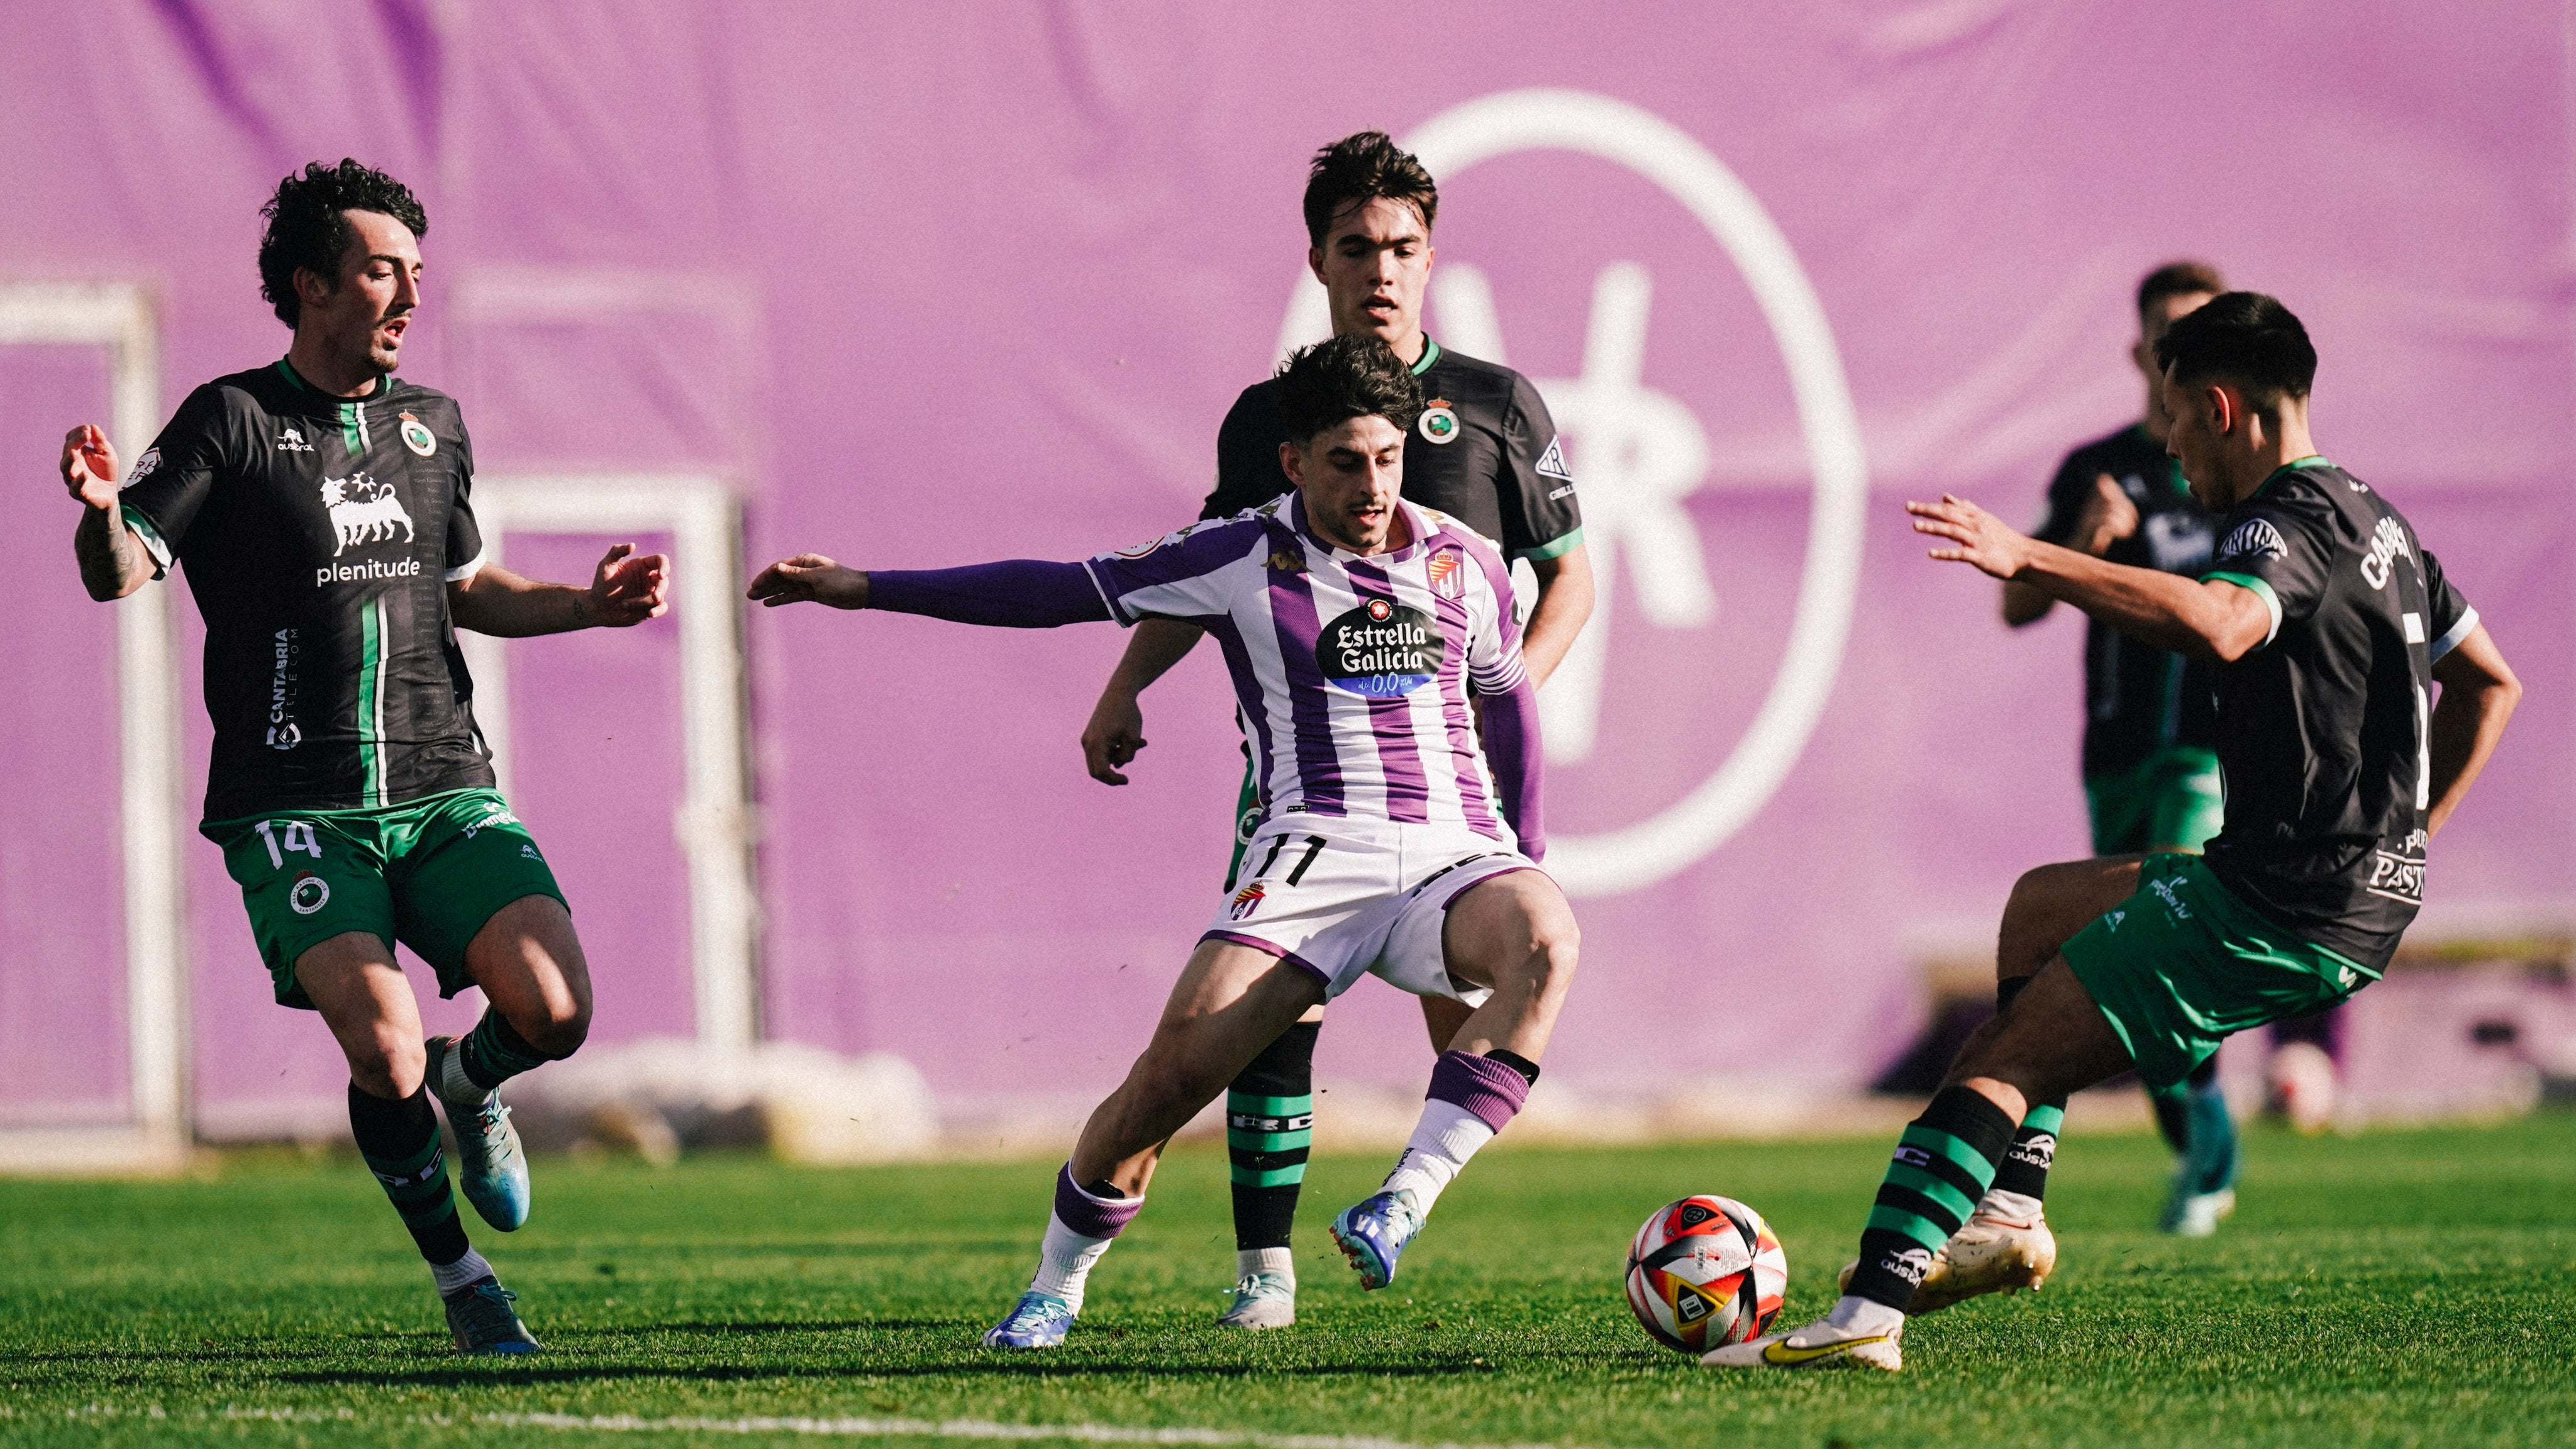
column 2012, row 1206
column 448, row 1080
column 1279, row 1261
column 1854, row 1314
column 1443, row 1140
column 465, row 1271
column 1065, row 1259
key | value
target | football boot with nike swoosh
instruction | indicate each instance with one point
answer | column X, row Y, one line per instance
column 1818, row 1345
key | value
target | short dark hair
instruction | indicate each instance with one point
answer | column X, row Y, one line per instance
column 308, row 226
column 1347, row 377
column 2178, row 279
column 1360, row 168
column 2245, row 338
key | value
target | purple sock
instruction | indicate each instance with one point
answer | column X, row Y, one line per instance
column 1078, row 1233
column 1487, row 1088
column 1091, row 1216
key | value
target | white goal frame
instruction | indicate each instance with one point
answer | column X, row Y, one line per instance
column 715, row 823
column 152, row 821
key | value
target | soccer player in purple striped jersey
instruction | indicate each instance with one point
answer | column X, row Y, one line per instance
column 1358, row 628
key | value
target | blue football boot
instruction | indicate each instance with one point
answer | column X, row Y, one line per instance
column 480, row 1316
column 490, row 1165
column 1373, row 1234
column 1038, row 1320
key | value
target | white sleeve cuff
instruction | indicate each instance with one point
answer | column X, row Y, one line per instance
column 2460, row 631
column 142, row 528
column 469, row 568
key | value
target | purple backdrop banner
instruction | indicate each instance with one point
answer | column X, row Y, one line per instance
column 933, row 285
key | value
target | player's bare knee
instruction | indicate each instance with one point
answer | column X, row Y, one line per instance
column 558, row 1027
column 387, row 1063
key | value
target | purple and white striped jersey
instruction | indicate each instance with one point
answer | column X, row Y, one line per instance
column 1353, row 673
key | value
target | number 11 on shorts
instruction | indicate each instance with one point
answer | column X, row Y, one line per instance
column 299, row 836
column 1314, row 847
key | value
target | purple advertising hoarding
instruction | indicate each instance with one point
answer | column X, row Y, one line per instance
column 927, row 287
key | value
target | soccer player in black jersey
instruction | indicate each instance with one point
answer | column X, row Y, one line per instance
column 321, row 508
column 2330, row 628
column 1484, row 452
column 2150, row 721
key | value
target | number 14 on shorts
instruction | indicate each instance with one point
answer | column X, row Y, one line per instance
column 285, row 837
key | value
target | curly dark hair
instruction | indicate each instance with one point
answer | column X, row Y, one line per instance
column 2245, row 338
column 1359, row 168
column 307, row 226
column 1347, row 377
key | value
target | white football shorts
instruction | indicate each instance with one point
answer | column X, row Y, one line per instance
column 1349, row 898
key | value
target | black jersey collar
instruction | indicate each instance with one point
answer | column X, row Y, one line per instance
column 2313, row 460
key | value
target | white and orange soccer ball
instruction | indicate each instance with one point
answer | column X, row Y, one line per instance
column 1705, row 1272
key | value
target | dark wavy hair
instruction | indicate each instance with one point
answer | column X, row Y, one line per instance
column 308, row 226
column 1359, row 168
column 1347, row 377
column 2245, row 338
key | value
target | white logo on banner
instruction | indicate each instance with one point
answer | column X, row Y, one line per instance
column 1638, row 453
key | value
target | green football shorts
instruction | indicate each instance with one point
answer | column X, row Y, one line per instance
column 2184, row 964
column 428, row 874
column 2173, row 797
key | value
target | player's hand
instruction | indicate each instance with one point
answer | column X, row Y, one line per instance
column 2109, row 515
column 1114, row 735
column 1983, row 539
column 89, row 466
column 627, row 588
column 810, row 578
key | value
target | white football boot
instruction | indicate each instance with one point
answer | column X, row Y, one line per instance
column 1818, row 1345
column 1993, row 1252
column 1262, row 1300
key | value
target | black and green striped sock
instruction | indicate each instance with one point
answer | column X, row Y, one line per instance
column 1943, row 1163
column 494, row 1052
column 398, row 1140
column 2034, row 1149
column 1269, row 1120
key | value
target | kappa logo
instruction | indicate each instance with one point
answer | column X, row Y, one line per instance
column 2255, row 538
column 363, row 511
column 1284, row 562
column 291, row 440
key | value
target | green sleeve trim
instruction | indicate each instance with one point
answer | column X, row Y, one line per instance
column 152, row 541
column 2262, row 590
column 1430, row 355
column 1554, row 548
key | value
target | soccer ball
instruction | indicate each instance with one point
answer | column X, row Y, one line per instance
column 1705, row 1272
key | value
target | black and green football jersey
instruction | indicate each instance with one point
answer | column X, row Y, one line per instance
column 2138, row 699
column 1485, row 452
column 319, row 536
column 2325, row 730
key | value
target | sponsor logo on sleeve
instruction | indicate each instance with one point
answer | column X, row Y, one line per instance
column 417, row 436
column 2254, row 538
column 1439, row 423
column 143, row 466
column 1552, row 462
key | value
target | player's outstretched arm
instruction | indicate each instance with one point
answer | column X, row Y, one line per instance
column 628, row 588
column 1015, row 594
column 1116, row 729
column 113, row 562
column 2479, row 691
column 2207, row 620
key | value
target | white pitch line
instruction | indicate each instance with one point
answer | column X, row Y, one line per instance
column 847, row 1428
column 961, row 1429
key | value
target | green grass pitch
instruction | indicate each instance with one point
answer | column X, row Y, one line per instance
column 2398, row 1288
